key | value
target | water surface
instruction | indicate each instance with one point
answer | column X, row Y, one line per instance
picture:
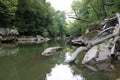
column 23, row 61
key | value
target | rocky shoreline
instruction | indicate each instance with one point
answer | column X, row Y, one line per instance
column 37, row 39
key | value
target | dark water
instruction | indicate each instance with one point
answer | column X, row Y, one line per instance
column 24, row 62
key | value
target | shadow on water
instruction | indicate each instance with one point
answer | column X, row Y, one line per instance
column 24, row 62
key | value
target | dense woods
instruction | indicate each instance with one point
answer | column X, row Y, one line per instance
column 32, row 17
column 38, row 17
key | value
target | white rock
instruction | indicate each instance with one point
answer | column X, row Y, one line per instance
column 92, row 53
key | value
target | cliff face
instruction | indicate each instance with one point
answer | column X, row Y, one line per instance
column 7, row 34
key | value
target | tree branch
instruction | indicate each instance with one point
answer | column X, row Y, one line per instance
column 90, row 45
column 78, row 18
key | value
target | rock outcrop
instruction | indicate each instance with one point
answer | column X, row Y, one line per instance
column 7, row 34
column 98, row 53
column 96, row 48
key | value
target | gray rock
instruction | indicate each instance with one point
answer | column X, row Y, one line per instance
column 40, row 38
column 96, row 54
column 7, row 34
column 104, row 53
column 91, row 54
column 50, row 51
column 8, row 31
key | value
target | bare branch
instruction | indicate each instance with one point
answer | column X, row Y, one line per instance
column 109, row 19
column 115, row 33
column 78, row 18
column 105, row 30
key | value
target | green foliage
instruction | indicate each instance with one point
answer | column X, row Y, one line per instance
column 76, row 28
column 58, row 27
column 54, row 30
column 37, row 17
column 32, row 15
column 93, row 11
column 45, row 33
column 7, row 12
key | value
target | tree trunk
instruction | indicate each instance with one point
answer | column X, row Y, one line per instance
column 105, row 8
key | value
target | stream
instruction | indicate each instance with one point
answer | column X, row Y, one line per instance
column 23, row 61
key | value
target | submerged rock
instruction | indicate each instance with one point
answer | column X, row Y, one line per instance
column 50, row 51
column 101, row 66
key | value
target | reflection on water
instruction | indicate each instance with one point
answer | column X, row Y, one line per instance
column 25, row 62
column 62, row 72
column 8, row 49
column 67, row 56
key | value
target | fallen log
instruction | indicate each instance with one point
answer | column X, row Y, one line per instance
column 90, row 45
column 114, row 35
column 75, row 54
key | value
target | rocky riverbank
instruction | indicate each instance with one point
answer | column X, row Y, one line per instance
column 7, row 34
column 37, row 39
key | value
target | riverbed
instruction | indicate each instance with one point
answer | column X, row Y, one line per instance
column 23, row 61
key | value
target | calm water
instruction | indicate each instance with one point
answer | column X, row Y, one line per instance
column 24, row 62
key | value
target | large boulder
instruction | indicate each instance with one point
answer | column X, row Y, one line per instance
column 51, row 51
column 98, row 53
column 7, row 34
column 8, row 31
column 91, row 54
